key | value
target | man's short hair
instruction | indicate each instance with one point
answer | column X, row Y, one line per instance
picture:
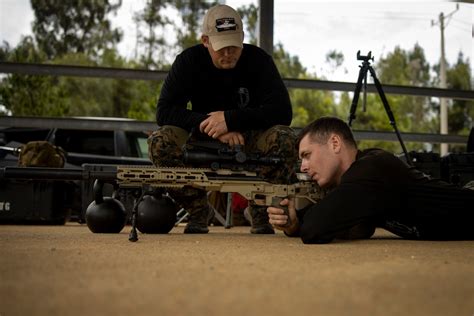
column 321, row 129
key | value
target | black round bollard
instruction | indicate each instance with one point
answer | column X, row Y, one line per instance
column 156, row 214
column 105, row 215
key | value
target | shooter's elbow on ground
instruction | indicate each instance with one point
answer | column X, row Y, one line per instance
column 310, row 235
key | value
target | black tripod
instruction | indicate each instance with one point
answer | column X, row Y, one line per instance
column 362, row 80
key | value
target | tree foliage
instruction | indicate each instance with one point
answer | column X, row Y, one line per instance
column 80, row 33
column 249, row 16
column 412, row 114
column 69, row 26
column 153, row 37
column 461, row 113
column 307, row 104
column 192, row 13
column 29, row 95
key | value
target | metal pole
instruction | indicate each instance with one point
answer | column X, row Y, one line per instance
column 265, row 23
column 443, row 84
column 443, row 102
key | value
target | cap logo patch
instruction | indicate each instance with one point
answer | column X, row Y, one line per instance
column 226, row 24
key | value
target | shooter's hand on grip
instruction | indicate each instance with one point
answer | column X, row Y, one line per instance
column 282, row 215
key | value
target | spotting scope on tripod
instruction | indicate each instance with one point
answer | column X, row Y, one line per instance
column 362, row 83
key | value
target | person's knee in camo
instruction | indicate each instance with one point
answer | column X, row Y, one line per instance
column 278, row 141
column 229, row 91
column 165, row 150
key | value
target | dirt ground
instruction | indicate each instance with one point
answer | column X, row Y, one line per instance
column 67, row 270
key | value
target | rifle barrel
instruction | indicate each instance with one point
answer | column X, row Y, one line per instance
column 43, row 173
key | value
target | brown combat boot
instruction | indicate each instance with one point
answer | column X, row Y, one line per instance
column 259, row 220
column 198, row 221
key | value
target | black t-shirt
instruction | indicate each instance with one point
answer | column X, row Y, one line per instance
column 252, row 94
column 381, row 189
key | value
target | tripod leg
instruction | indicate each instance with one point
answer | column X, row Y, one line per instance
column 355, row 99
column 364, row 98
column 390, row 115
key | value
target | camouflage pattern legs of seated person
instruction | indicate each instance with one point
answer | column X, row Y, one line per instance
column 165, row 150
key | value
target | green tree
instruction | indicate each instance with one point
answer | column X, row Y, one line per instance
column 153, row 38
column 69, row 26
column 412, row 114
column 307, row 104
column 34, row 95
column 191, row 13
column 408, row 68
column 249, row 16
column 106, row 97
column 334, row 59
column 72, row 96
column 29, row 95
column 461, row 114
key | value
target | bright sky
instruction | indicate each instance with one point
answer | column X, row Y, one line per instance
column 312, row 28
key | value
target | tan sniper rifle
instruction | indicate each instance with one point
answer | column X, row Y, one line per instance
column 246, row 183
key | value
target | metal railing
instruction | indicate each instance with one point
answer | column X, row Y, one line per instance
column 82, row 123
column 142, row 74
column 139, row 74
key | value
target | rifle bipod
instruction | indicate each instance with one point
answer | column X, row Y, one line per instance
column 154, row 212
column 133, row 236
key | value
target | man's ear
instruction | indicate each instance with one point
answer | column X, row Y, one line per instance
column 335, row 142
column 205, row 40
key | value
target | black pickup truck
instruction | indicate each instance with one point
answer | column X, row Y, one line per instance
column 82, row 146
column 57, row 202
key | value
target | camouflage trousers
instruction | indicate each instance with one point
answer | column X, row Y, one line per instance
column 165, row 150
